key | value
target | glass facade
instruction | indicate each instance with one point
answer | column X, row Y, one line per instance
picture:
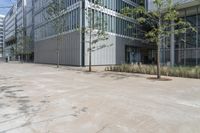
column 187, row 46
column 38, row 25
column 1, row 35
column 44, row 28
column 115, row 23
column 117, row 5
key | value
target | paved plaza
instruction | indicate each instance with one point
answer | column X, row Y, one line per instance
column 38, row 98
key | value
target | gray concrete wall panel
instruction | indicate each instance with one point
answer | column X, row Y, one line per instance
column 45, row 50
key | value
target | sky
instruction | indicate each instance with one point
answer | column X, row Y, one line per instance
column 5, row 3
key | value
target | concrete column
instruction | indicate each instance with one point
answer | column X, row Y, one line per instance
column 172, row 45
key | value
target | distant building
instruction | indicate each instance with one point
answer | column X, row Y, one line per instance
column 10, row 33
column 19, row 30
column 1, row 35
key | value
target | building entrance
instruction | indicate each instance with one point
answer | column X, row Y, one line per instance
column 132, row 55
column 135, row 55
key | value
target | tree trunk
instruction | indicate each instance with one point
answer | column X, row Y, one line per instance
column 172, row 45
column 26, row 57
column 90, row 47
column 58, row 52
column 90, row 56
column 158, row 62
column 158, row 49
column 58, row 58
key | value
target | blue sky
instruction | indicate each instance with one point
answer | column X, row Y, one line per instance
column 4, row 3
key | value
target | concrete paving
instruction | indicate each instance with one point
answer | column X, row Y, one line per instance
column 42, row 99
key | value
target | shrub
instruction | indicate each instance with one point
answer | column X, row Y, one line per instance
column 186, row 72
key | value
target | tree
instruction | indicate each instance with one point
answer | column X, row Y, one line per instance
column 95, row 30
column 55, row 15
column 22, row 48
column 162, row 22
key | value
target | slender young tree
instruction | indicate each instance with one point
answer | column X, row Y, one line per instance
column 22, row 48
column 18, row 49
column 159, row 23
column 55, row 15
column 27, row 49
column 95, row 30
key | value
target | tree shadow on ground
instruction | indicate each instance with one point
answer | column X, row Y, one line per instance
column 10, row 93
column 14, row 97
column 6, row 88
column 3, row 78
column 76, row 113
column 24, row 110
column 113, row 75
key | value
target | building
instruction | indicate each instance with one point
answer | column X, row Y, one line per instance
column 24, row 27
column 10, row 33
column 29, row 28
column 27, row 21
column 19, row 31
column 184, row 49
column 74, row 49
column 1, row 35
